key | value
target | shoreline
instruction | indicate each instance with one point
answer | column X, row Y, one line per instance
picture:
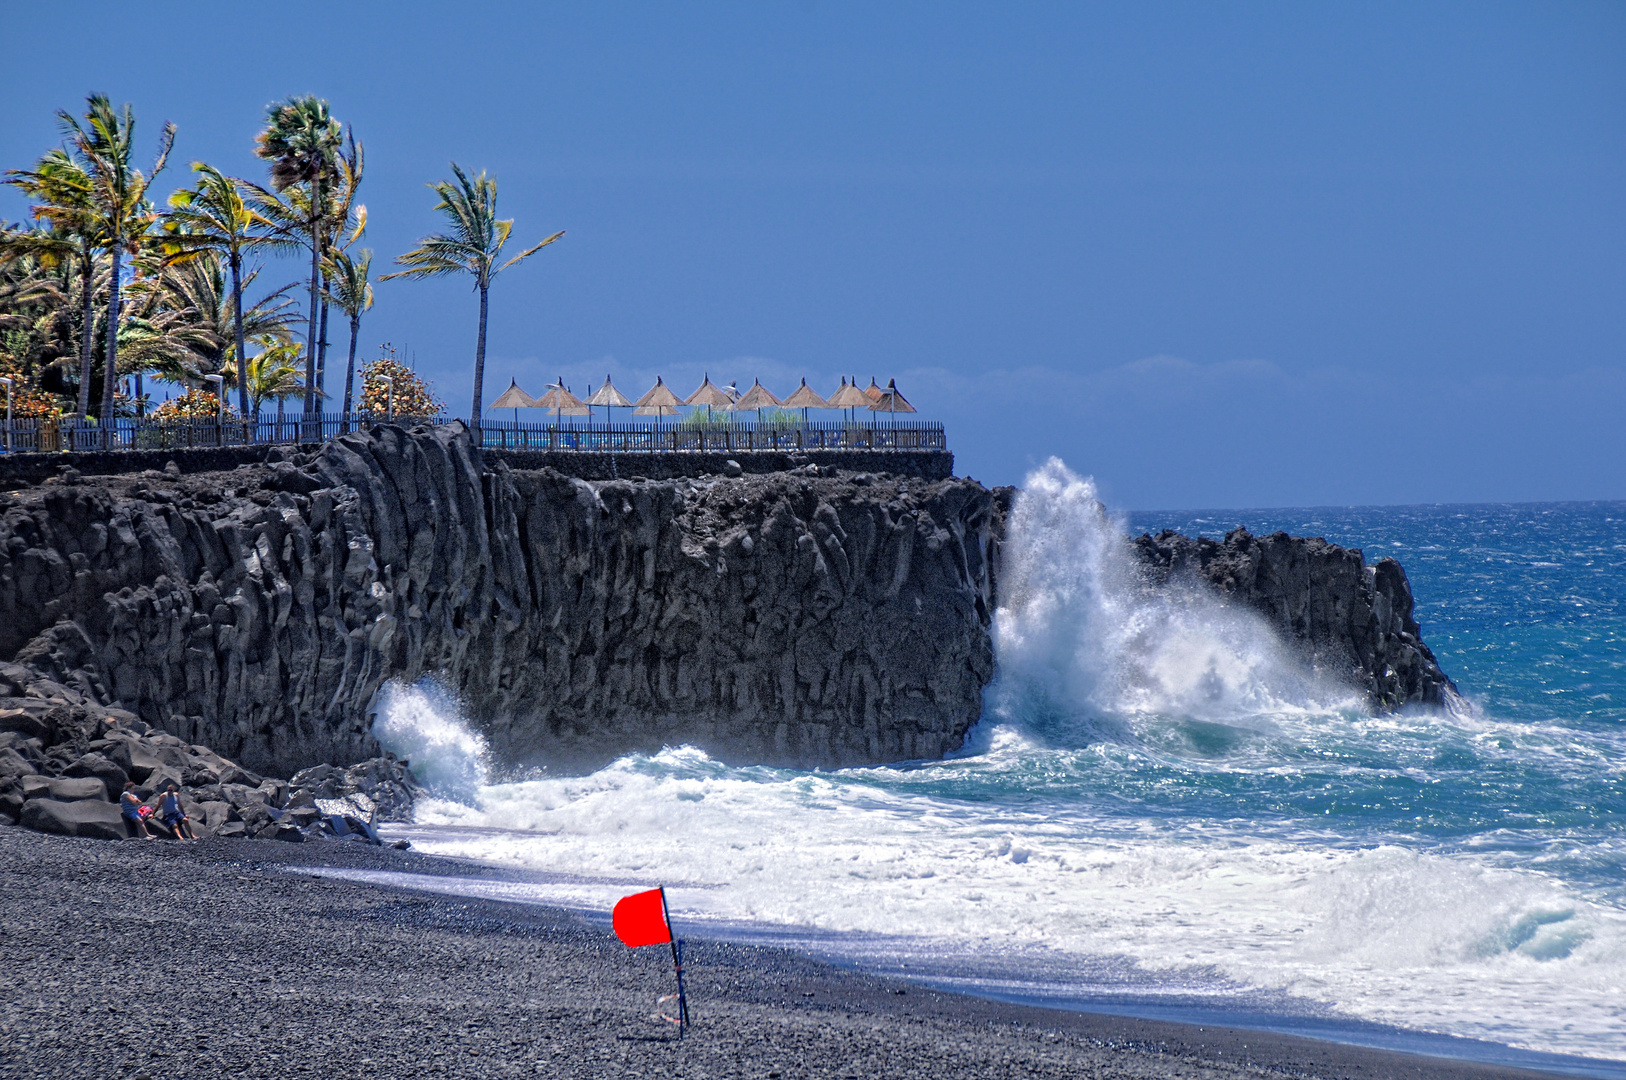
column 241, row 958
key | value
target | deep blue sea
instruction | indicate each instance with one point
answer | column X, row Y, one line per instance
column 1163, row 812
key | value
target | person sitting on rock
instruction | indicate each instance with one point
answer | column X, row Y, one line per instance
column 130, row 807
column 173, row 817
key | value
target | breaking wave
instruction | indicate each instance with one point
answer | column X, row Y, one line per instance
column 1161, row 805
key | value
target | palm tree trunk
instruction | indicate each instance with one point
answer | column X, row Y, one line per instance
column 321, row 360
column 242, row 346
column 111, row 362
column 310, row 336
column 350, row 368
column 87, row 337
column 479, row 364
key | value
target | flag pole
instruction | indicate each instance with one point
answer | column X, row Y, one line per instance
column 677, row 966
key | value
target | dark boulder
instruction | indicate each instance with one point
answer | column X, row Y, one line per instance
column 215, row 815
column 87, row 818
column 118, row 752
column 381, row 789
column 236, row 774
column 65, row 789
column 160, row 779
column 11, row 803
column 285, row 831
column 240, row 795
column 14, row 764
column 98, row 767
column 140, row 755
column 29, row 723
column 255, row 816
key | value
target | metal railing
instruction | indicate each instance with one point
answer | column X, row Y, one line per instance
column 745, row 437
column 70, row 434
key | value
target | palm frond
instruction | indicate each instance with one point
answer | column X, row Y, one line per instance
column 528, row 252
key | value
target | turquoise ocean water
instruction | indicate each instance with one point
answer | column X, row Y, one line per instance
column 1163, row 811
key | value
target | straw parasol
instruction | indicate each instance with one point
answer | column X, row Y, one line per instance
column 607, row 395
column 873, row 390
column 514, row 398
column 848, row 397
column 709, row 396
column 891, row 401
column 804, row 399
column 756, row 398
column 658, row 402
column 562, row 401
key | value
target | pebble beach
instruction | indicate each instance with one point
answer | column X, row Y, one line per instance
column 239, row 958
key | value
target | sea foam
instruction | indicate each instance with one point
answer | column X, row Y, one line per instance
column 1160, row 803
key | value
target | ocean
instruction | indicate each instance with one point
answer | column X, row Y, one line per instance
column 1162, row 811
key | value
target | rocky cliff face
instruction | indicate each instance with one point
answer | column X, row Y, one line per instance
column 797, row 618
column 789, row 618
column 1352, row 620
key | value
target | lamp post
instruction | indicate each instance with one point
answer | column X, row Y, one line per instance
column 9, row 383
column 220, row 406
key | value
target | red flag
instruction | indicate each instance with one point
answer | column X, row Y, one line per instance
column 640, row 919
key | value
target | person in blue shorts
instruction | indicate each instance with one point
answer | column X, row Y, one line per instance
column 130, row 807
column 173, row 817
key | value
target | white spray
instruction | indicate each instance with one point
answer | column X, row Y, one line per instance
column 421, row 723
column 1084, row 647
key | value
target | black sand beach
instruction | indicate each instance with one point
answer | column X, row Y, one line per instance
column 229, row 958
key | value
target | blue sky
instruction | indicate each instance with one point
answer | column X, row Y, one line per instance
column 1215, row 255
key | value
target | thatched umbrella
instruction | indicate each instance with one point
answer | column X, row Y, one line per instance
column 756, row 398
column 872, row 391
column 514, row 398
column 562, row 402
column 804, row 399
column 848, row 397
column 607, row 395
column 658, row 402
column 892, row 402
column 709, row 396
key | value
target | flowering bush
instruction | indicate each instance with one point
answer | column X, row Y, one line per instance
column 413, row 396
column 31, row 403
column 192, row 405
column 28, row 401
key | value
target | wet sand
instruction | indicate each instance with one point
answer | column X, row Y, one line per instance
column 230, row 958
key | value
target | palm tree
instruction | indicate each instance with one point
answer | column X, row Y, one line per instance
column 118, row 207
column 343, row 223
column 473, row 247
column 63, row 189
column 49, row 313
column 273, row 372
column 189, row 320
column 302, row 142
column 349, row 288
column 210, row 220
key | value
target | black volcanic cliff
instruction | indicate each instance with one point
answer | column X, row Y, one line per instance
column 1351, row 620
column 796, row 617
column 781, row 618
